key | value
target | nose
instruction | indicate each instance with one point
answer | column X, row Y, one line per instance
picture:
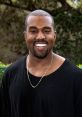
column 40, row 35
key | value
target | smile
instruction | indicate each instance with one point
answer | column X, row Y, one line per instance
column 40, row 45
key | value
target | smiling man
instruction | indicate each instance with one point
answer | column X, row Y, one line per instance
column 40, row 35
column 42, row 83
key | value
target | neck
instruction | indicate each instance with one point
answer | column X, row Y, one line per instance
column 37, row 66
column 37, row 62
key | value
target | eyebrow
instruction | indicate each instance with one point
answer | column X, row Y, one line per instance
column 33, row 27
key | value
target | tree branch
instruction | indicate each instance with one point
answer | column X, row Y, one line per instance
column 31, row 7
column 14, row 6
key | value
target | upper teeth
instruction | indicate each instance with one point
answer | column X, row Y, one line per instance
column 41, row 45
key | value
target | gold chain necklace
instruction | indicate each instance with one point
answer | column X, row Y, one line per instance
column 34, row 86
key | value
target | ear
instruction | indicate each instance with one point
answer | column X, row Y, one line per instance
column 25, row 35
column 55, row 33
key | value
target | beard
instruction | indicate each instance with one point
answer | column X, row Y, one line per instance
column 40, row 55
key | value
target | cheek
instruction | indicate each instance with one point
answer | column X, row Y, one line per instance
column 51, row 39
column 29, row 39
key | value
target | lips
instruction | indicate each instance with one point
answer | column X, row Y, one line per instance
column 41, row 45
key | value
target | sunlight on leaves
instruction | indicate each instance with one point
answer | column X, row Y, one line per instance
column 74, row 3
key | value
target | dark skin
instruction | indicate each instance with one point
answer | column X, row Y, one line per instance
column 40, row 37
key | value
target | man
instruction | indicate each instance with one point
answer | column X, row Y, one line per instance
column 41, row 84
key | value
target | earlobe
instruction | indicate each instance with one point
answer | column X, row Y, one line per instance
column 24, row 34
column 55, row 38
column 54, row 34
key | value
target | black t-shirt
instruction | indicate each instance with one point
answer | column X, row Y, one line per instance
column 59, row 94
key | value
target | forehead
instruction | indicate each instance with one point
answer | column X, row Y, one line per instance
column 39, row 21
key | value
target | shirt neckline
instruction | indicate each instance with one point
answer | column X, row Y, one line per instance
column 54, row 72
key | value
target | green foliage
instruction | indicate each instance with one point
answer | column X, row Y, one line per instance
column 2, row 69
column 80, row 66
column 76, row 4
column 69, row 35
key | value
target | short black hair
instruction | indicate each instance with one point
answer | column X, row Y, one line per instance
column 38, row 12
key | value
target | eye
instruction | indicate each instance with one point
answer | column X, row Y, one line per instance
column 47, row 31
column 33, row 31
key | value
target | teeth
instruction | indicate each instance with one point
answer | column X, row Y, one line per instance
column 41, row 45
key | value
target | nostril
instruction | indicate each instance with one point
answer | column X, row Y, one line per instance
column 40, row 35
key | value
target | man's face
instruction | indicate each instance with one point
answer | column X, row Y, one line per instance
column 40, row 35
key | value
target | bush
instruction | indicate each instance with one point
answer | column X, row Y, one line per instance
column 2, row 69
column 80, row 66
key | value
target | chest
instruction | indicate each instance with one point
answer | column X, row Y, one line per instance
column 49, row 90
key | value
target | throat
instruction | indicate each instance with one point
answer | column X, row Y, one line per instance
column 39, row 68
column 37, row 71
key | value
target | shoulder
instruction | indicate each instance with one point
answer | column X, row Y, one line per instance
column 17, row 65
column 72, row 69
column 67, row 68
column 12, row 71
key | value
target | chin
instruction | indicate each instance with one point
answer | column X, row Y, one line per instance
column 41, row 56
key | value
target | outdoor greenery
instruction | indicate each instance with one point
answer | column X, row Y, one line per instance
column 2, row 69
column 67, row 15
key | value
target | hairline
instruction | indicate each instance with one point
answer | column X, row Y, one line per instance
column 38, row 13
